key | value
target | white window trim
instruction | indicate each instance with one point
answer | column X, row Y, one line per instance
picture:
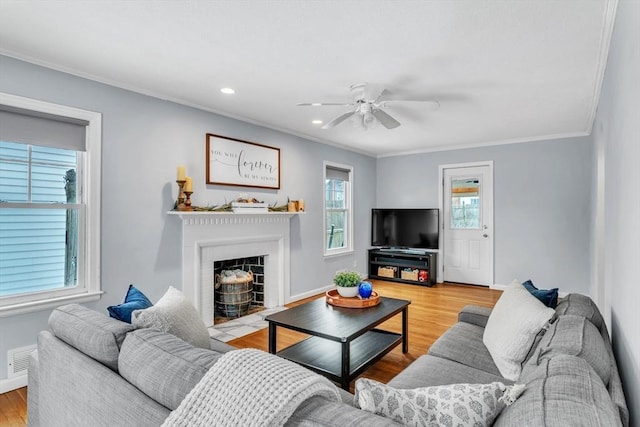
column 328, row 253
column 91, row 159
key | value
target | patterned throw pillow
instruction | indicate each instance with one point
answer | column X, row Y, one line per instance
column 448, row 405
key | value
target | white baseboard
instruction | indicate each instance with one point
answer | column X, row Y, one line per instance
column 11, row 384
column 498, row 287
column 311, row 293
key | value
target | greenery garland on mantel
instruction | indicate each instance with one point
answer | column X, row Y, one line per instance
column 227, row 208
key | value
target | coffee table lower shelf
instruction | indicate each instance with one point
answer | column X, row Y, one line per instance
column 325, row 356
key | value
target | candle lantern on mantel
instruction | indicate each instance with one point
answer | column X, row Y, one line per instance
column 185, row 189
column 188, row 190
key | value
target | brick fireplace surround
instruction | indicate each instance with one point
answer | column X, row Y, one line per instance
column 208, row 237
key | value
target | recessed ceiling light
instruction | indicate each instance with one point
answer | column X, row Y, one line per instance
column 316, row 122
column 227, row 91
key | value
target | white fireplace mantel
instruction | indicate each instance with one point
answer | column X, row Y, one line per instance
column 215, row 236
column 205, row 214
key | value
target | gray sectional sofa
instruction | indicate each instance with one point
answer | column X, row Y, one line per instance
column 91, row 370
column 570, row 373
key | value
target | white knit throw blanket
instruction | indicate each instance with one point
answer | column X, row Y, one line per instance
column 249, row 388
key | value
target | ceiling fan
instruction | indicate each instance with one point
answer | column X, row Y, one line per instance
column 368, row 103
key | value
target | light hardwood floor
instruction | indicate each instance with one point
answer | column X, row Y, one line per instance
column 13, row 408
column 431, row 312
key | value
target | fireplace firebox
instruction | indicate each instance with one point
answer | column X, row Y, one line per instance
column 236, row 296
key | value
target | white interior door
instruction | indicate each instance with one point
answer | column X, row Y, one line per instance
column 468, row 224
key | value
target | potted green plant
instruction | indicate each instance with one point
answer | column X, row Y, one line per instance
column 347, row 283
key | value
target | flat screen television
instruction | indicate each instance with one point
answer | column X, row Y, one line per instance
column 405, row 228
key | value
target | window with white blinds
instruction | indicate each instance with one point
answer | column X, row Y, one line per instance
column 49, row 204
column 38, row 242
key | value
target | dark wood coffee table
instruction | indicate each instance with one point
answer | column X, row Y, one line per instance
column 343, row 341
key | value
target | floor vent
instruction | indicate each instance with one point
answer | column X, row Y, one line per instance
column 18, row 360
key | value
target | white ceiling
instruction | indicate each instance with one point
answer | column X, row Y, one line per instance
column 503, row 71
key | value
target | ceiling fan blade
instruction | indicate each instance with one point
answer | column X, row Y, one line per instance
column 431, row 104
column 338, row 120
column 323, row 104
column 384, row 118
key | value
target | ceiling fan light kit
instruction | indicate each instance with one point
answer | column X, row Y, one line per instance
column 367, row 108
column 363, row 121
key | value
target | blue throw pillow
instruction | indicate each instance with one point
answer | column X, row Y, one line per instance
column 548, row 297
column 134, row 300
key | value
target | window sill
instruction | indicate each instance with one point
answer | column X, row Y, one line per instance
column 338, row 254
column 31, row 306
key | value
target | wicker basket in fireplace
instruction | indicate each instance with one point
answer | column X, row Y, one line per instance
column 233, row 295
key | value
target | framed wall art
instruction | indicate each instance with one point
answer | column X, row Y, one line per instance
column 242, row 163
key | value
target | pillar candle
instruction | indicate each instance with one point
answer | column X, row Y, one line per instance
column 180, row 173
column 188, row 186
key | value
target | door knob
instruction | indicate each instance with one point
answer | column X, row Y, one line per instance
column 485, row 235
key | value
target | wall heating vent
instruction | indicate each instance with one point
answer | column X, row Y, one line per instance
column 18, row 360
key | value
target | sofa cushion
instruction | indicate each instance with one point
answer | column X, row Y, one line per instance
column 429, row 370
column 164, row 367
column 581, row 305
column 561, row 391
column 461, row 405
column 462, row 343
column 174, row 314
column 474, row 314
column 576, row 336
column 548, row 297
column 512, row 328
column 318, row 411
column 78, row 391
column 133, row 300
column 221, row 347
column 90, row 332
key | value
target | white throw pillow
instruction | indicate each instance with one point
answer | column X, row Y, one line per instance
column 461, row 405
column 512, row 327
column 175, row 315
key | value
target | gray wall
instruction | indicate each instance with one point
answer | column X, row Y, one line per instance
column 617, row 127
column 144, row 139
column 541, row 205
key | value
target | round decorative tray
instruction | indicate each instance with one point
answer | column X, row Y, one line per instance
column 334, row 298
